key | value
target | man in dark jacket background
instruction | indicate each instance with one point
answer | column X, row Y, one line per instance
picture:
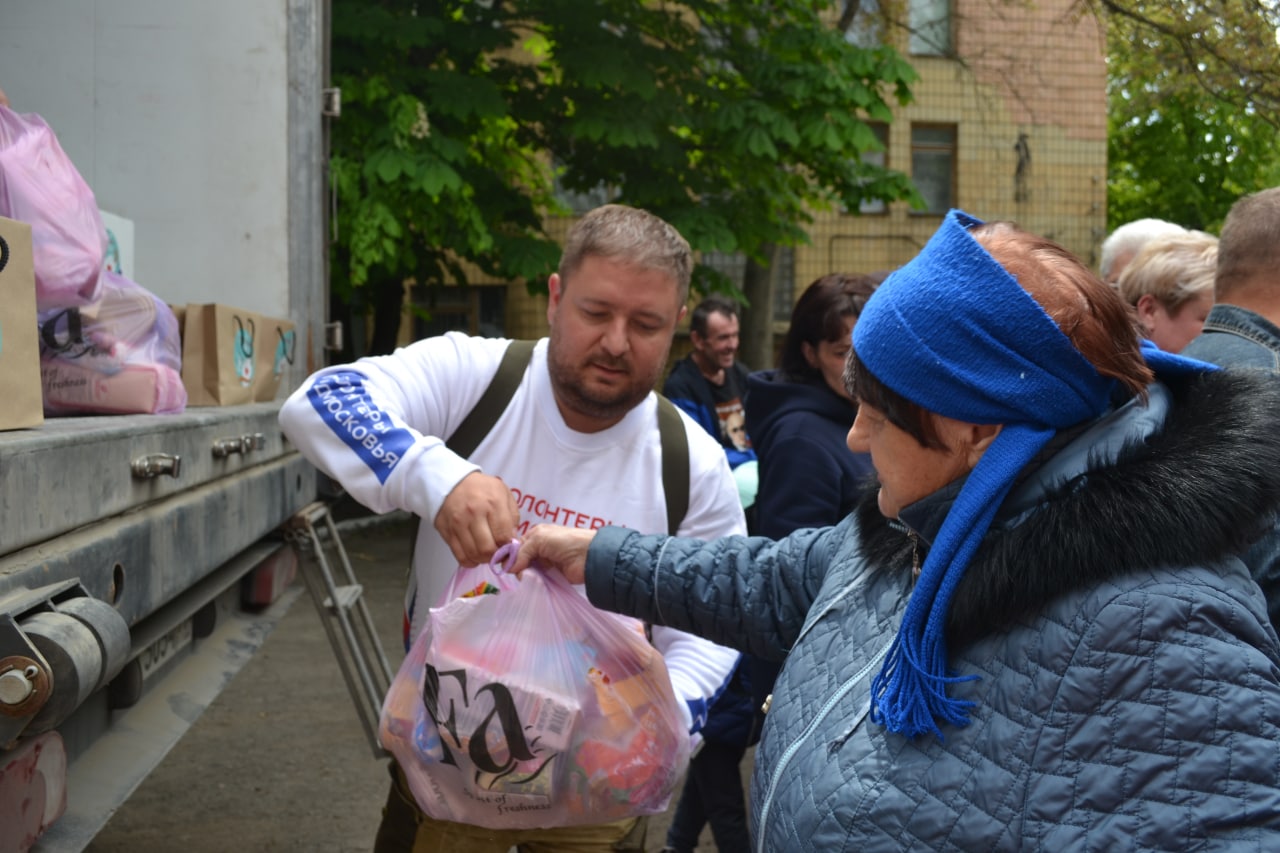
column 710, row 385
column 1243, row 331
column 709, row 382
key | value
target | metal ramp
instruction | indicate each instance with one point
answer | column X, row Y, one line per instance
column 343, row 613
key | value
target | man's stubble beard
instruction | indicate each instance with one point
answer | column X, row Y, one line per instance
column 569, row 390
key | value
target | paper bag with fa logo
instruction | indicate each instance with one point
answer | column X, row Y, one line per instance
column 220, row 362
column 19, row 346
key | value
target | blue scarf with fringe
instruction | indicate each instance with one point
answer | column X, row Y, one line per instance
column 953, row 332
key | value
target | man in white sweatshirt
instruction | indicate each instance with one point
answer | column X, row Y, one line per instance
column 577, row 445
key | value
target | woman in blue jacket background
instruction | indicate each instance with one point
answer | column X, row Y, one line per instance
column 799, row 414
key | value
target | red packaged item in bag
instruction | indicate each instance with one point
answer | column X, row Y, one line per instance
column 520, row 706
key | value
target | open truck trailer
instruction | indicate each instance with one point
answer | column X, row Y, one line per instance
column 141, row 560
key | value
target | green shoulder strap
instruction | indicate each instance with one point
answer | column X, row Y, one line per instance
column 675, row 463
column 493, row 402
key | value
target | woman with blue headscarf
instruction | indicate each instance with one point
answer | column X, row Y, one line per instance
column 1033, row 634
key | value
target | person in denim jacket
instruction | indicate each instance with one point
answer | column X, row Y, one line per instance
column 1243, row 331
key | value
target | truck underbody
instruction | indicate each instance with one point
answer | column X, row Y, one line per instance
column 141, row 565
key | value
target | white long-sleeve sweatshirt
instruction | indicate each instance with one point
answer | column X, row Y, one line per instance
column 379, row 426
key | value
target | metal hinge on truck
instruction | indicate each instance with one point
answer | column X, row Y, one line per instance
column 58, row 645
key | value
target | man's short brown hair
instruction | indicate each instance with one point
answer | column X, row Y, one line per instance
column 1249, row 248
column 629, row 236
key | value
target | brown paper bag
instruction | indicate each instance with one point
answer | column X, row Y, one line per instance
column 220, row 354
column 279, row 346
column 179, row 314
column 19, row 347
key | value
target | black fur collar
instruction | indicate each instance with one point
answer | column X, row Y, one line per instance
column 1199, row 490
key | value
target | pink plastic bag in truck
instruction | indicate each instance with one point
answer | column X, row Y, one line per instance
column 120, row 354
column 40, row 186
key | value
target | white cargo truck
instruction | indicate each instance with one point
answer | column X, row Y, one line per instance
column 130, row 544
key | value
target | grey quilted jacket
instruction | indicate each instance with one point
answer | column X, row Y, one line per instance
column 1128, row 681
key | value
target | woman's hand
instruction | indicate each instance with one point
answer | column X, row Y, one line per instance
column 564, row 548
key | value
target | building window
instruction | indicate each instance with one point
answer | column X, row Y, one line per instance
column 478, row 310
column 784, row 284
column 933, row 165
column 930, row 23
column 865, row 23
column 876, row 158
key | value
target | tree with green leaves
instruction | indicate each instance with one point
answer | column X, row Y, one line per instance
column 426, row 166
column 1193, row 106
column 733, row 121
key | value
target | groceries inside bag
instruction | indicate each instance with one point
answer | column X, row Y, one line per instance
column 520, row 706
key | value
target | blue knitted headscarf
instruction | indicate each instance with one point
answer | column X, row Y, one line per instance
column 953, row 332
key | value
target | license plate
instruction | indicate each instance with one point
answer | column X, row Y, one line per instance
column 162, row 650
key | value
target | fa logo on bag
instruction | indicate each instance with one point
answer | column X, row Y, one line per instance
column 466, row 711
column 242, row 346
column 63, row 333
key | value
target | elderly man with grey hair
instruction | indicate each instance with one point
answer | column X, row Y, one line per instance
column 1126, row 241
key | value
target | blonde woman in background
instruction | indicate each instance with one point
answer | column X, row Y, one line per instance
column 1170, row 284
